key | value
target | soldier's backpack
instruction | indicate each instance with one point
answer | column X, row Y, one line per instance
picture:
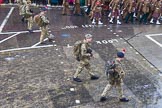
column 22, row 10
column 38, row 20
column 109, row 68
column 77, row 50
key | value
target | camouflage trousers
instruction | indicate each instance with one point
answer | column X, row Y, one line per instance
column 44, row 33
column 77, row 9
column 66, row 9
column 30, row 23
column 109, row 87
column 83, row 64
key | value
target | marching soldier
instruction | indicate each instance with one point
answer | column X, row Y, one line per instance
column 29, row 16
column 66, row 9
column 42, row 21
column 139, row 9
column 156, row 13
column 115, row 5
column 97, row 13
column 111, row 2
column 77, row 10
column 131, row 11
column 115, row 77
column 152, row 8
column 84, row 61
column 45, row 23
column 88, row 3
column 21, row 5
column 145, row 11
column 91, row 3
column 105, row 7
column 124, row 8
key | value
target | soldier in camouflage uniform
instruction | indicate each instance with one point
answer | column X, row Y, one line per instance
column 91, row 3
column 145, row 11
column 139, row 4
column 29, row 16
column 21, row 5
column 66, row 9
column 97, row 13
column 156, row 13
column 115, row 11
column 86, row 54
column 77, row 10
column 44, row 25
column 88, row 3
column 116, row 75
column 124, row 8
column 130, row 10
column 153, row 4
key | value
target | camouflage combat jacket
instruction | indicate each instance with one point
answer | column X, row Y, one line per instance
column 84, row 55
column 116, row 75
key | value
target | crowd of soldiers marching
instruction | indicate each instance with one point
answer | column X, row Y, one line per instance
column 126, row 11
column 118, row 11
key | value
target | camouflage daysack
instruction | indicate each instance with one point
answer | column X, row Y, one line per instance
column 77, row 50
column 109, row 68
column 23, row 10
column 38, row 20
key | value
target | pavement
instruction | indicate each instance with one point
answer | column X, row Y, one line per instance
column 40, row 76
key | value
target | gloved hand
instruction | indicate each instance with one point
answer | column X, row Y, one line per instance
column 89, row 51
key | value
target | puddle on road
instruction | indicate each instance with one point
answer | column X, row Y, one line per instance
column 9, row 58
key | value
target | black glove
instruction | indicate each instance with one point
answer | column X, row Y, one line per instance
column 89, row 51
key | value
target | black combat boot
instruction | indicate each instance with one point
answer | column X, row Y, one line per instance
column 23, row 19
column 94, row 77
column 124, row 99
column 30, row 31
column 102, row 99
column 50, row 40
column 77, row 79
column 42, row 43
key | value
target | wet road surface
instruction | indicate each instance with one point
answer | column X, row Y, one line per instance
column 41, row 76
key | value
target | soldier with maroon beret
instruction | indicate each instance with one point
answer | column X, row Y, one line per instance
column 156, row 13
column 115, row 11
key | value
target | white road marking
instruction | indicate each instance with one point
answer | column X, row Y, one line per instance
column 72, row 89
column 9, row 37
column 6, row 19
column 77, row 101
column 150, row 37
column 39, row 42
column 15, row 34
column 160, row 34
column 19, row 32
column 25, row 48
column 137, row 53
